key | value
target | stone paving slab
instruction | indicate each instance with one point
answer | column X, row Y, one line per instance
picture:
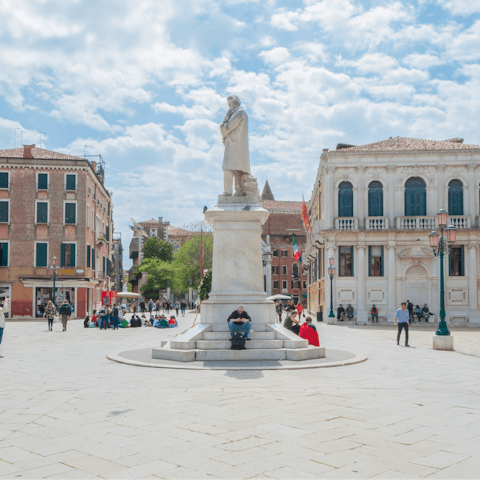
column 68, row 412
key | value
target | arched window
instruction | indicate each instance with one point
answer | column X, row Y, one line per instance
column 415, row 197
column 455, row 197
column 375, row 199
column 345, row 200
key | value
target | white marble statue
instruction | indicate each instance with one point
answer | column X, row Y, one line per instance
column 236, row 161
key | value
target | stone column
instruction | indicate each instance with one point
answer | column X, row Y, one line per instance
column 391, row 304
column 391, row 195
column 473, row 313
column 362, row 315
column 440, row 190
column 360, row 200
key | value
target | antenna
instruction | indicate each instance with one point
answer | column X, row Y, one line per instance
column 85, row 152
column 41, row 133
column 21, row 136
column 15, row 137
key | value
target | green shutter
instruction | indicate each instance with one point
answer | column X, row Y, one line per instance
column 3, row 179
column 70, row 213
column 41, row 255
column 88, row 256
column 62, row 255
column 42, row 212
column 383, row 262
column 4, row 212
column 73, row 257
column 353, row 263
column 103, row 264
column 93, row 258
column 42, row 181
column 4, row 254
column 369, row 261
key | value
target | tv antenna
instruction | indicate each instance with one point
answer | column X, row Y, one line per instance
column 41, row 133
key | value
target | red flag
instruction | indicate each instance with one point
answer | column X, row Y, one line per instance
column 306, row 221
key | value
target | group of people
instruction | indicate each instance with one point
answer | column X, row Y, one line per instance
column 343, row 313
column 150, row 306
column 109, row 316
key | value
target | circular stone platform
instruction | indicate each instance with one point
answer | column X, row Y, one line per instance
column 143, row 358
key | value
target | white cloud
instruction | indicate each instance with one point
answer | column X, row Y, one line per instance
column 422, row 61
column 461, row 7
column 275, row 56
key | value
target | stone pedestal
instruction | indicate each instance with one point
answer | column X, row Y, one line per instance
column 331, row 320
column 443, row 342
column 362, row 317
column 237, row 270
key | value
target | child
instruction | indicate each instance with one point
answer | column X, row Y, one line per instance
column 172, row 323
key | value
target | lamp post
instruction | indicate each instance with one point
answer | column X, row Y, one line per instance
column 442, row 244
column 331, row 273
column 54, row 268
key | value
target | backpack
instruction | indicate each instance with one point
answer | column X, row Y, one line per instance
column 238, row 342
column 64, row 310
column 115, row 312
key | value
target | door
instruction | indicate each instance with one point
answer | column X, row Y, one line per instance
column 415, row 197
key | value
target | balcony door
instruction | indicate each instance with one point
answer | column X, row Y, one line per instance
column 375, row 199
column 455, row 197
column 415, row 197
column 345, row 200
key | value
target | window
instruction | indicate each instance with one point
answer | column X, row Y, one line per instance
column 41, row 254
column 346, row 261
column 3, row 179
column 345, row 200
column 456, row 262
column 93, row 258
column 68, row 255
column 415, row 197
column 4, row 254
column 103, row 270
column 42, row 181
column 284, row 285
column 284, row 253
column 70, row 213
column 88, row 256
column 275, row 284
column 275, row 253
column 455, row 197
column 70, row 182
column 284, row 269
column 304, row 285
column 295, row 270
column 375, row 261
column 274, row 269
column 42, row 212
column 375, row 199
column 4, row 207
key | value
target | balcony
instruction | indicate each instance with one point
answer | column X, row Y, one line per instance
column 416, row 223
column 376, row 223
column 460, row 221
column 346, row 223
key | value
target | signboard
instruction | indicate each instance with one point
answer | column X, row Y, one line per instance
column 67, row 271
column 109, row 294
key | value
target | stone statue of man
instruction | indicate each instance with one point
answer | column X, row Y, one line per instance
column 236, row 162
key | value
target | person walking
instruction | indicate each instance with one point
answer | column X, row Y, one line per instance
column 177, row 306
column 183, row 307
column 115, row 316
column 50, row 312
column 65, row 312
column 3, row 311
column 279, row 310
column 402, row 319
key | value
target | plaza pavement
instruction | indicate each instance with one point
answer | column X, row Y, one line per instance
column 68, row 412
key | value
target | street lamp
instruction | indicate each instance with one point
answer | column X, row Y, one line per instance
column 331, row 273
column 441, row 245
column 54, row 268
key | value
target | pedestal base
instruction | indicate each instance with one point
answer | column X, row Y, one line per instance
column 362, row 317
column 331, row 320
column 443, row 342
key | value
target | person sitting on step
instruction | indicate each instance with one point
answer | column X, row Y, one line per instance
column 418, row 312
column 374, row 312
column 239, row 322
column 308, row 331
column 340, row 313
column 349, row 312
column 292, row 323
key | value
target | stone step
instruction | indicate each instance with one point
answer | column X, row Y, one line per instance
column 257, row 354
column 226, row 335
column 226, row 344
column 223, row 327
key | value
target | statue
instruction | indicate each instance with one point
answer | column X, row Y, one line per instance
column 236, row 161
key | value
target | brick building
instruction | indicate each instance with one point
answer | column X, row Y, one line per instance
column 52, row 205
column 283, row 224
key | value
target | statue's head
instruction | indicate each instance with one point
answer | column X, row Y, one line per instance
column 233, row 101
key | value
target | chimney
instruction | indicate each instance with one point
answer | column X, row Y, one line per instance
column 27, row 151
column 94, row 166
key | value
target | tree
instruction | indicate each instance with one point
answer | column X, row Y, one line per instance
column 160, row 273
column 205, row 286
column 186, row 262
column 154, row 247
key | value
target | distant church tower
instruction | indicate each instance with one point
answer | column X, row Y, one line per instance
column 267, row 192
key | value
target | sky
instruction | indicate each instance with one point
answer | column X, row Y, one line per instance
column 145, row 83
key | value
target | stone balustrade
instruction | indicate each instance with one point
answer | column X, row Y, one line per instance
column 346, row 223
column 376, row 223
column 459, row 221
column 416, row 223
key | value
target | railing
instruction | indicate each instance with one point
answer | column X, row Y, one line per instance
column 346, row 223
column 376, row 223
column 416, row 223
column 460, row 221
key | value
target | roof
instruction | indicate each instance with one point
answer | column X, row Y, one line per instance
column 396, row 144
column 177, row 232
column 279, row 205
column 37, row 153
column 267, row 193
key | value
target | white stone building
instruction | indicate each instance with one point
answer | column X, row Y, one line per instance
column 372, row 208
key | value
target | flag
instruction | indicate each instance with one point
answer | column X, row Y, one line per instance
column 306, row 221
column 296, row 251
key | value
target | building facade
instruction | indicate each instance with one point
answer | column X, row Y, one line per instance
column 372, row 208
column 54, row 208
column 117, row 263
column 282, row 273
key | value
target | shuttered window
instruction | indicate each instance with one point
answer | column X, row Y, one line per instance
column 42, row 181
column 68, row 255
column 70, row 213
column 41, row 255
column 70, row 182
column 88, row 256
column 3, row 179
column 4, row 212
column 3, row 254
column 345, row 200
column 42, row 212
column 345, row 262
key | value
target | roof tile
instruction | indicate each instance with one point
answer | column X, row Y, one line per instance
column 39, row 153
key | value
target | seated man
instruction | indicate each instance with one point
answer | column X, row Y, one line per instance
column 426, row 312
column 308, row 331
column 374, row 312
column 340, row 312
column 418, row 312
column 239, row 322
column 292, row 322
column 349, row 312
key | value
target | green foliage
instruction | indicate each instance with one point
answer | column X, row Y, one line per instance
column 205, row 286
column 154, row 247
column 159, row 274
column 186, row 262
column 129, row 287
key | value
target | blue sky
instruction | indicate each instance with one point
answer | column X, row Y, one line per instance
column 144, row 84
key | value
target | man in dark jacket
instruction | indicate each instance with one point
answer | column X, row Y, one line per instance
column 410, row 310
column 239, row 322
column 340, row 312
column 65, row 312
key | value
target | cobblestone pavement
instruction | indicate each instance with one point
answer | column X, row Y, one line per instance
column 68, row 412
